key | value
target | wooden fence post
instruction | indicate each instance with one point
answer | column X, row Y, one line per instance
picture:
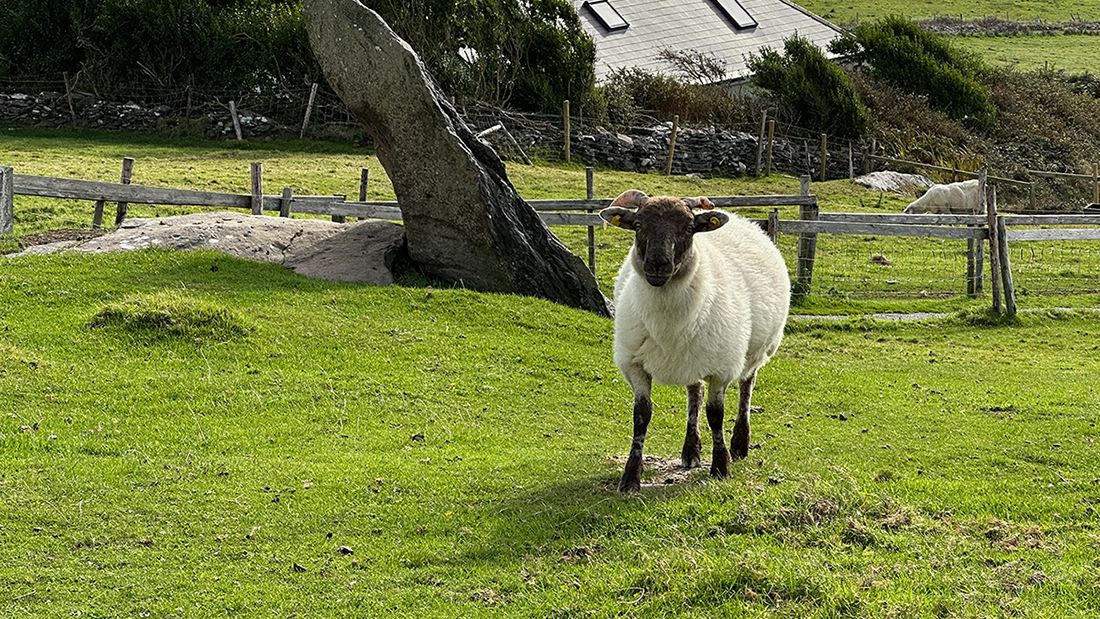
column 69, row 96
column 807, row 243
column 771, row 140
column 824, row 156
column 257, row 172
column 236, row 119
column 851, row 166
column 127, row 172
column 1095, row 184
column 187, row 114
column 364, row 177
column 760, row 141
column 590, row 194
column 565, row 116
column 309, row 110
column 994, row 244
column 1006, row 269
column 7, row 200
column 865, row 165
column 672, row 143
column 340, row 219
column 97, row 214
column 284, row 202
column 773, row 226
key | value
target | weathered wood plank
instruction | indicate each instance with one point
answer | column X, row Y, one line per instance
column 7, row 200
column 928, row 219
column 1052, row 220
column 1055, row 234
column 1059, row 175
column 73, row 189
column 787, row 226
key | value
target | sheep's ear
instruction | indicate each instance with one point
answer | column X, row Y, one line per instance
column 711, row 220
column 620, row 217
column 698, row 202
column 630, row 197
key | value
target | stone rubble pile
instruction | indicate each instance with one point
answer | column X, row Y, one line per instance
column 51, row 109
column 643, row 149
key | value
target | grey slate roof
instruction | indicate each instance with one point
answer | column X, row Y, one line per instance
column 697, row 25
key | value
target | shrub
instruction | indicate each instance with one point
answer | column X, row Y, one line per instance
column 925, row 64
column 810, row 87
column 626, row 92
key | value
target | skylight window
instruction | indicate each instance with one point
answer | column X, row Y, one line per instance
column 607, row 15
column 736, row 14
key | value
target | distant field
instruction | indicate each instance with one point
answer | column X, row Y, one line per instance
column 1070, row 53
column 847, row 11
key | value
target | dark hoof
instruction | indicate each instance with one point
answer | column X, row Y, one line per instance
column 690, row 460
column 630, row 486
column 720, row 468
column 738, row 453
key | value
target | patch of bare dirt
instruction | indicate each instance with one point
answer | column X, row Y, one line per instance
column 658, row 471
column 57, row 236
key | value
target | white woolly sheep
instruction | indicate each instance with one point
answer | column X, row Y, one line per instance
column 701, row 297
column 955, row 198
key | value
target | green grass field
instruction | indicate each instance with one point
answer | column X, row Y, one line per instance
column 849, row 12
column 1069, row 53
column 291, row 447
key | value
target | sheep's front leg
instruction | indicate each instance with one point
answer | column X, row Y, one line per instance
column 739, row 444
column 641, row 382
column 690, row 457
column 716, row 413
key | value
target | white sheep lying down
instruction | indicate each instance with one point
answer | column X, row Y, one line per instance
column 700, row 301
column 954, row 198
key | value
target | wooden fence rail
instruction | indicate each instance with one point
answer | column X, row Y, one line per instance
column 975, row 229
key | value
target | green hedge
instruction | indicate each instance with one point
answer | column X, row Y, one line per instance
column 925, row 64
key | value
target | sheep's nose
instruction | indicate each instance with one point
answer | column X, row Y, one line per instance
column 656, row 280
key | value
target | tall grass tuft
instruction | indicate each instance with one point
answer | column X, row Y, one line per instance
column 171, row 314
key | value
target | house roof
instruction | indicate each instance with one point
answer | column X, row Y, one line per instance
column 698, row 25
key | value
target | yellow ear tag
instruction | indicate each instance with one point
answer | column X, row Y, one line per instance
column 615, row 220
column 714, row 221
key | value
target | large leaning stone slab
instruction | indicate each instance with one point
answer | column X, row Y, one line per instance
column 360, row 252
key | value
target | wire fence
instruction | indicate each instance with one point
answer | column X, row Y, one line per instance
column 846, row 266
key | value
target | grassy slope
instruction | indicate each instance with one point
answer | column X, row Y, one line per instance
column 1075, row 53
column 460, row 446
column 846, row 12
column 1070, row 53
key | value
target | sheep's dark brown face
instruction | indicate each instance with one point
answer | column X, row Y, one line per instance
column 663, row 237
column 664, row 231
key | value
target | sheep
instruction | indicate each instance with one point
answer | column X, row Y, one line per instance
column 701, row 298
column 957, row 198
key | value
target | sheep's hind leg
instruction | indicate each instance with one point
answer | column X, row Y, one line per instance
column 716, row 413
column 739, row 444
column 690, row 456
column 641, row 382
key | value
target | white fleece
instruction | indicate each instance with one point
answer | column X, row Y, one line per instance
column 956, row 198
column 720, row 318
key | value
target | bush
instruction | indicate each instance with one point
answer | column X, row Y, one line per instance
column 925, row 64
column 137, row 47
column 627, row 92
column 810, row 87
column 530, row 53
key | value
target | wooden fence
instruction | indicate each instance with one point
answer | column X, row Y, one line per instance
column 975, row 229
